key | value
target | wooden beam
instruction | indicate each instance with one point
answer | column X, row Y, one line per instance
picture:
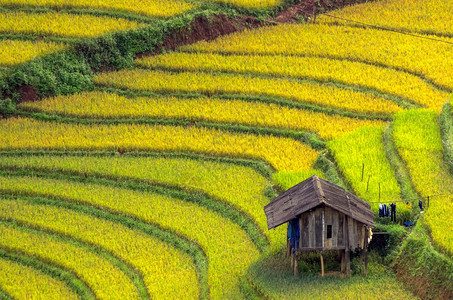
column 320, row 249
column 322, row 264
column 342, row 269
column 348, row 262
column 296, row 269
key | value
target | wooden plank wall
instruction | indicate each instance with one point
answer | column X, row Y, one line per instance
column 352, row 234
column 328, row 219
column 318, row 228
column 341, row 230
column 314, row 230
column 305, row 231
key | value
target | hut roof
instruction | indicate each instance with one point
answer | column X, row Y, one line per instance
column 311, row 193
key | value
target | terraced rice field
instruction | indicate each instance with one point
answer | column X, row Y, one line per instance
column 197, row 82
column 32, row 29
column 429, row 60
column 227, row 246
column 418, row 16
column 151, row 8
column 152, row 185
column 97, row 105
column 56, row 24
column 84, row 262
column 16, row 52
column 157, row 261
column 37, row 28
column 30, row 33
column 366, row 144
column 418, row 142
column 20, row 281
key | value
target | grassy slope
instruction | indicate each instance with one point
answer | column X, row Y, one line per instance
column 272, row 277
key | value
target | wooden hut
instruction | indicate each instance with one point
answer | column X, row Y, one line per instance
column 322, row 216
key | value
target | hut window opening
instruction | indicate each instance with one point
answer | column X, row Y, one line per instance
column 329, row 231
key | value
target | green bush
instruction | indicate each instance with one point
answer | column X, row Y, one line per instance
column 117, row 51
column 396, row 234
column 71, row 71
column 7, row 108
column 61, row 73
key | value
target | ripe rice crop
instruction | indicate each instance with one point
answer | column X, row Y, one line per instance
column 364, row 149
column 161, row 265
column 423, row 16
column 417, row 130
column 227, row 246
column 281, row 153
column 286, row 180
column 251, row 4
column 152, row 8
column 385, row 80
column 430, row 59
column 237, row 185
column 418, row 141
column 105, row 279
column 102, row 104
column 16, row 52
column 318, row 94
column 23, row 282
column 61, row 24
column 156, row 8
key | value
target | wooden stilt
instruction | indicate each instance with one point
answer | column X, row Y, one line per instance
column 288, row 248
column 343, row 263
column 296, row 269
column 365, row 271
column 292, row 258
column 361, row 258
column 348, row 262
column 322, row 264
